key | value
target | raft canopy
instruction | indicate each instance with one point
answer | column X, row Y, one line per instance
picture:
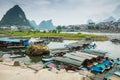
column 74, row 57
column 80, row 43
column 96, row 52
column 11, row 40
column 79, row 56
column 84, row 55
column 67, row 60
column 14, row 40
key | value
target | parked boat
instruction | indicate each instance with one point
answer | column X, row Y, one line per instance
column 47, row 59
column 58, row 52
column 117, row 61
column 102, row 66
column 16, row 56
column 95, row 52
column 84, row 55
column 67, row 60
column 92, row 46
column 15, row 47
column 96, row 69
column 74, row 57
column 79, row 45
column 79, row 56
column 50, row 65
column 117, row 73
column 11, row 42
column 1, row 52
column 115, row 40
column 108, row 63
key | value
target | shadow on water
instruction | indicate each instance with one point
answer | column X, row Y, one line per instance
column 35, row 59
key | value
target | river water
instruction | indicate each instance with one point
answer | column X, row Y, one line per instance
column 113, row 48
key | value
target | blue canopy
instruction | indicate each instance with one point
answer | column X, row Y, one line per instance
column 108, row 63
column 11, row 40
column 96, row 69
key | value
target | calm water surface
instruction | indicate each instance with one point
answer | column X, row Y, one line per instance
column 113, row 48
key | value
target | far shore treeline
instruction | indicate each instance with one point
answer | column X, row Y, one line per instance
column 68, row 36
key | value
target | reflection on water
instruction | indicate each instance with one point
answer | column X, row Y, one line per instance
column 108, row 46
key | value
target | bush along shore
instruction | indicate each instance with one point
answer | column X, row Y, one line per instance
column 67, row 36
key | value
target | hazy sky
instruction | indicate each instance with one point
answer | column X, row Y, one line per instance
column 64, row 12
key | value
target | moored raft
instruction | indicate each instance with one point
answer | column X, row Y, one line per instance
column 79, row 56
column 68, row 61
column 16, row 56
column 117, row 73
column 74, row 57
column 117, row 61
column 85, row 55
column 96, row 69
column 115, row 40
column 51, row 65
column 95, row 52
column 47, row 58
column 101, row 67
column 1, row 52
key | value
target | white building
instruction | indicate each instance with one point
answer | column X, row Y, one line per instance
column 14, row 28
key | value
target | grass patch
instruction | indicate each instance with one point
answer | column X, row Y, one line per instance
column 68, row 36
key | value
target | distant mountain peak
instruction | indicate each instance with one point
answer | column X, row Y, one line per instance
column 33, row 24
column 110, row 19
column 16, row 6
column 46, row 25
column 15, row 16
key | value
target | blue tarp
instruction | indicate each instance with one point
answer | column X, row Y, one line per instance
column 107, row 62
column 9, row 40
column 96, row 69
column 101, row 65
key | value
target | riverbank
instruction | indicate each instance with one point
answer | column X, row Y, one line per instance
column 18, row 73
column 102, row 31
column 67, row 36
